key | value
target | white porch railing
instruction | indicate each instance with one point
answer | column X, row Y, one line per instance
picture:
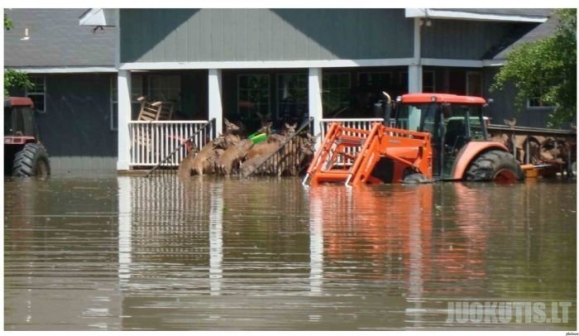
column 365, row 124
column 153, row 141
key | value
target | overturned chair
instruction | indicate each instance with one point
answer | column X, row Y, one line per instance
column 145, row 137
column 157, row 110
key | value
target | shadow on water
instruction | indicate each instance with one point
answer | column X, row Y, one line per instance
column 132, row 253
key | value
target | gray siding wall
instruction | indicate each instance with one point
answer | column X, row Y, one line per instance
column 197, row 35
column 455, row 39
column 503, row 106
column 76, row 126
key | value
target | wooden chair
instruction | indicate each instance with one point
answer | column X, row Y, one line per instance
column 151, row 111
column 159, row 110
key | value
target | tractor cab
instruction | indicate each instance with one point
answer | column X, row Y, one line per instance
column 452, row 121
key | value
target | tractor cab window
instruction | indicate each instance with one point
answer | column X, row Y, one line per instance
column 409, row 117
column 28, row 118
column 431, row 121
column 420, row 117
column 456, row 127
column 19, row 121
column 7, row 121
column 465, row 121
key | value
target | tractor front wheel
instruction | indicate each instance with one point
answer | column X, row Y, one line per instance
column 32, row 160
column 416, row 178
column 495, row 165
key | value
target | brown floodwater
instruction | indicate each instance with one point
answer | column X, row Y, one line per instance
column 135, row 253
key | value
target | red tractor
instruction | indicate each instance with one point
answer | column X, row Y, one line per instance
column 24, row 154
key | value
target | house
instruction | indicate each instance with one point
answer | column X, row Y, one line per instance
column 289, row 64
column 73, row 69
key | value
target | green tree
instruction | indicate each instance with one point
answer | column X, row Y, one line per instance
column 546, row 69
column 14, row 79
column 7, row 22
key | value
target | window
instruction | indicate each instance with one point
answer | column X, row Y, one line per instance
column 474, row 84
column 403, row 81
column 428, row 81
column 292, row 96
column 537, row 102
column 136, row 92
column 335, row 91
column 38, row 93
column 165, row 87
column 377, row 80
column 253, row 96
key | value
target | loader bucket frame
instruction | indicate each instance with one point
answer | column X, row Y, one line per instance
column 407, row 151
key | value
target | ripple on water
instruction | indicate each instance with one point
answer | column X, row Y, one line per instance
column 132, row 253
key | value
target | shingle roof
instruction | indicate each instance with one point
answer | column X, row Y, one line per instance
column 541, row 31
column 56, row 40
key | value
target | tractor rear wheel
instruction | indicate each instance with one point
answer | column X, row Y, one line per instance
column 495, row 165
column 32, row 160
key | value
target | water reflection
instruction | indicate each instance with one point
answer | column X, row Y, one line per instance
column 216, row 238
column 125, row 228
column 59, row 267
column 265, row 254
column 316, row 245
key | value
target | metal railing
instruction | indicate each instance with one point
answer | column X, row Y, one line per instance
column 288, row 159
column 152, row 142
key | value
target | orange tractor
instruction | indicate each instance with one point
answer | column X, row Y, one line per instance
column 430, row 137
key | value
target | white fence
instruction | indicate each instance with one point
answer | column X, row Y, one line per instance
column 153, row 141
column 365, row 124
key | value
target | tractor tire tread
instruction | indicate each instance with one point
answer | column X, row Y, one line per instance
column 26, row 161
column 486, row 165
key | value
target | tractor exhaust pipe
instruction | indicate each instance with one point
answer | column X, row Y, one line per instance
column 388, row 108
column 383, row 108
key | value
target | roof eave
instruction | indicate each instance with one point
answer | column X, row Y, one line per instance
column 458, row 15
column 98, row 17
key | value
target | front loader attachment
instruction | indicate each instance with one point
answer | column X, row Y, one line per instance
column 355, row 156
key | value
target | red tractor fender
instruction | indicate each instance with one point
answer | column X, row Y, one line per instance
column 18, row 140
column 469, row 153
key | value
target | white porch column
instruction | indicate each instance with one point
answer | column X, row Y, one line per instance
column 215, row 100
column 124, row 116
column 415, row 70
column 315, row 99
column 414, row 78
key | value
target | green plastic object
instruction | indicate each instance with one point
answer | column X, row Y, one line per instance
column 257, row 137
